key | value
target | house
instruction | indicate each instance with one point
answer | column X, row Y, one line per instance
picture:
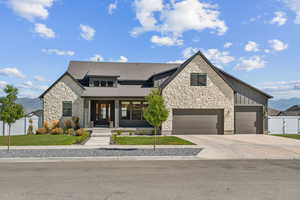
column 201, row 98
column 273, row 112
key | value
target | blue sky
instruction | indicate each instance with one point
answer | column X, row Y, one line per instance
column 256, row 41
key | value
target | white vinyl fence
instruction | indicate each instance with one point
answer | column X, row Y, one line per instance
column 284, row 125
column 21, row 126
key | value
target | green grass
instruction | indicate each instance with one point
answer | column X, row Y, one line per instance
column 292, row 136
column 149, row 140
column 26, row 140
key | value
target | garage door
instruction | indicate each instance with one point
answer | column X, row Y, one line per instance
column 248, row 120
column 198, row 121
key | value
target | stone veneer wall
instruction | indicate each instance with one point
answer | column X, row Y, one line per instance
column 216, row 95
column 64, row 90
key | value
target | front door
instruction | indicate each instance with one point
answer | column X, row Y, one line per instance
column 103, row 113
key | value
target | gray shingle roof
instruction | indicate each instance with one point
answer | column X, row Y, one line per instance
column 120, row 91
column 125, row 71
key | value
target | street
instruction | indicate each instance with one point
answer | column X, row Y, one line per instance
column 151, row 180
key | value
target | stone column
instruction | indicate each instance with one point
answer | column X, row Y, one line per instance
column 117, row 111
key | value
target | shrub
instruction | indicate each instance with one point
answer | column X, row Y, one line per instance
column 130, row 132
column 114, row 138
column 70, row 131
column 41, row 131
column 57, row 131
column 119, row 132
column 30, row 128
column 55, row 124
column 68, row 124
column 81, row 132
column 46, row 126
column 76, row 123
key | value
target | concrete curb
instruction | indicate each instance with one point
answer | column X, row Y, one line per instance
column 100, row 147
column 94, row 159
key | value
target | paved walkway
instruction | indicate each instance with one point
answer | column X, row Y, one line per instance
column 99, row 137
column 245, row 146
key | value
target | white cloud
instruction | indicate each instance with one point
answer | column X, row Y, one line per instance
column 252, row 63
column 31, row 9
column 123, row 59
column 59, row 52
column 176, row 61
column 294, row 5
column 97, row 58
column 176, row 17
column 166, row 41
column 44, row 31
column 227, row 45
column 3, row 84
column 111, row 7
column 87, row 32
column 218, row 58
column 32, row 86
column 278, row 45
column 283, row 89
column 188, row 52
column 251, row 46
column 40, row 78
column 280, row 18
column 11, row 72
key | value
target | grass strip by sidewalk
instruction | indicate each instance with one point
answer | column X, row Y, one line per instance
column 42, row 140
column 292, row 136
column 149, row 140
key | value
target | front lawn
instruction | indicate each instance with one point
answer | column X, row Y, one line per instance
column 26, row 140
column 149, row 140
column 292, row 136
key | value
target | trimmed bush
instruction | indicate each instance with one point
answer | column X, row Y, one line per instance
column 70, row 131
column 76, row 123
column 46, row 126
column 68, row 124
column 55, row 124
column 81, row 132
column 119, row 132
column 57, row 131
column 41, row 131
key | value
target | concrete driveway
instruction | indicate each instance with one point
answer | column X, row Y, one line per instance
column 245, row 146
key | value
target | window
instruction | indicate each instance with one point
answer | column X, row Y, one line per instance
column 137, row 110
column 125, row 110
column 103, row 83
column 67, row 108
column 198, row 79
column 132, row 110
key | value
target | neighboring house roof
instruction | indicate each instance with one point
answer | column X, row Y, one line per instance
column 273, row 112
column 65, row 74
column 120, row 91
column 125, row 71
column 289, row 113
column 220, row 72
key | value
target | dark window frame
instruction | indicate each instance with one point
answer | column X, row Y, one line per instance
column 131, row 108
column 198, row 79
column 67, row 112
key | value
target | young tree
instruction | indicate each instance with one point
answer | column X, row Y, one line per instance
column 156, row 112
column 10, row 111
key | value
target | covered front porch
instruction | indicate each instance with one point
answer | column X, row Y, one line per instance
column 114, row 113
